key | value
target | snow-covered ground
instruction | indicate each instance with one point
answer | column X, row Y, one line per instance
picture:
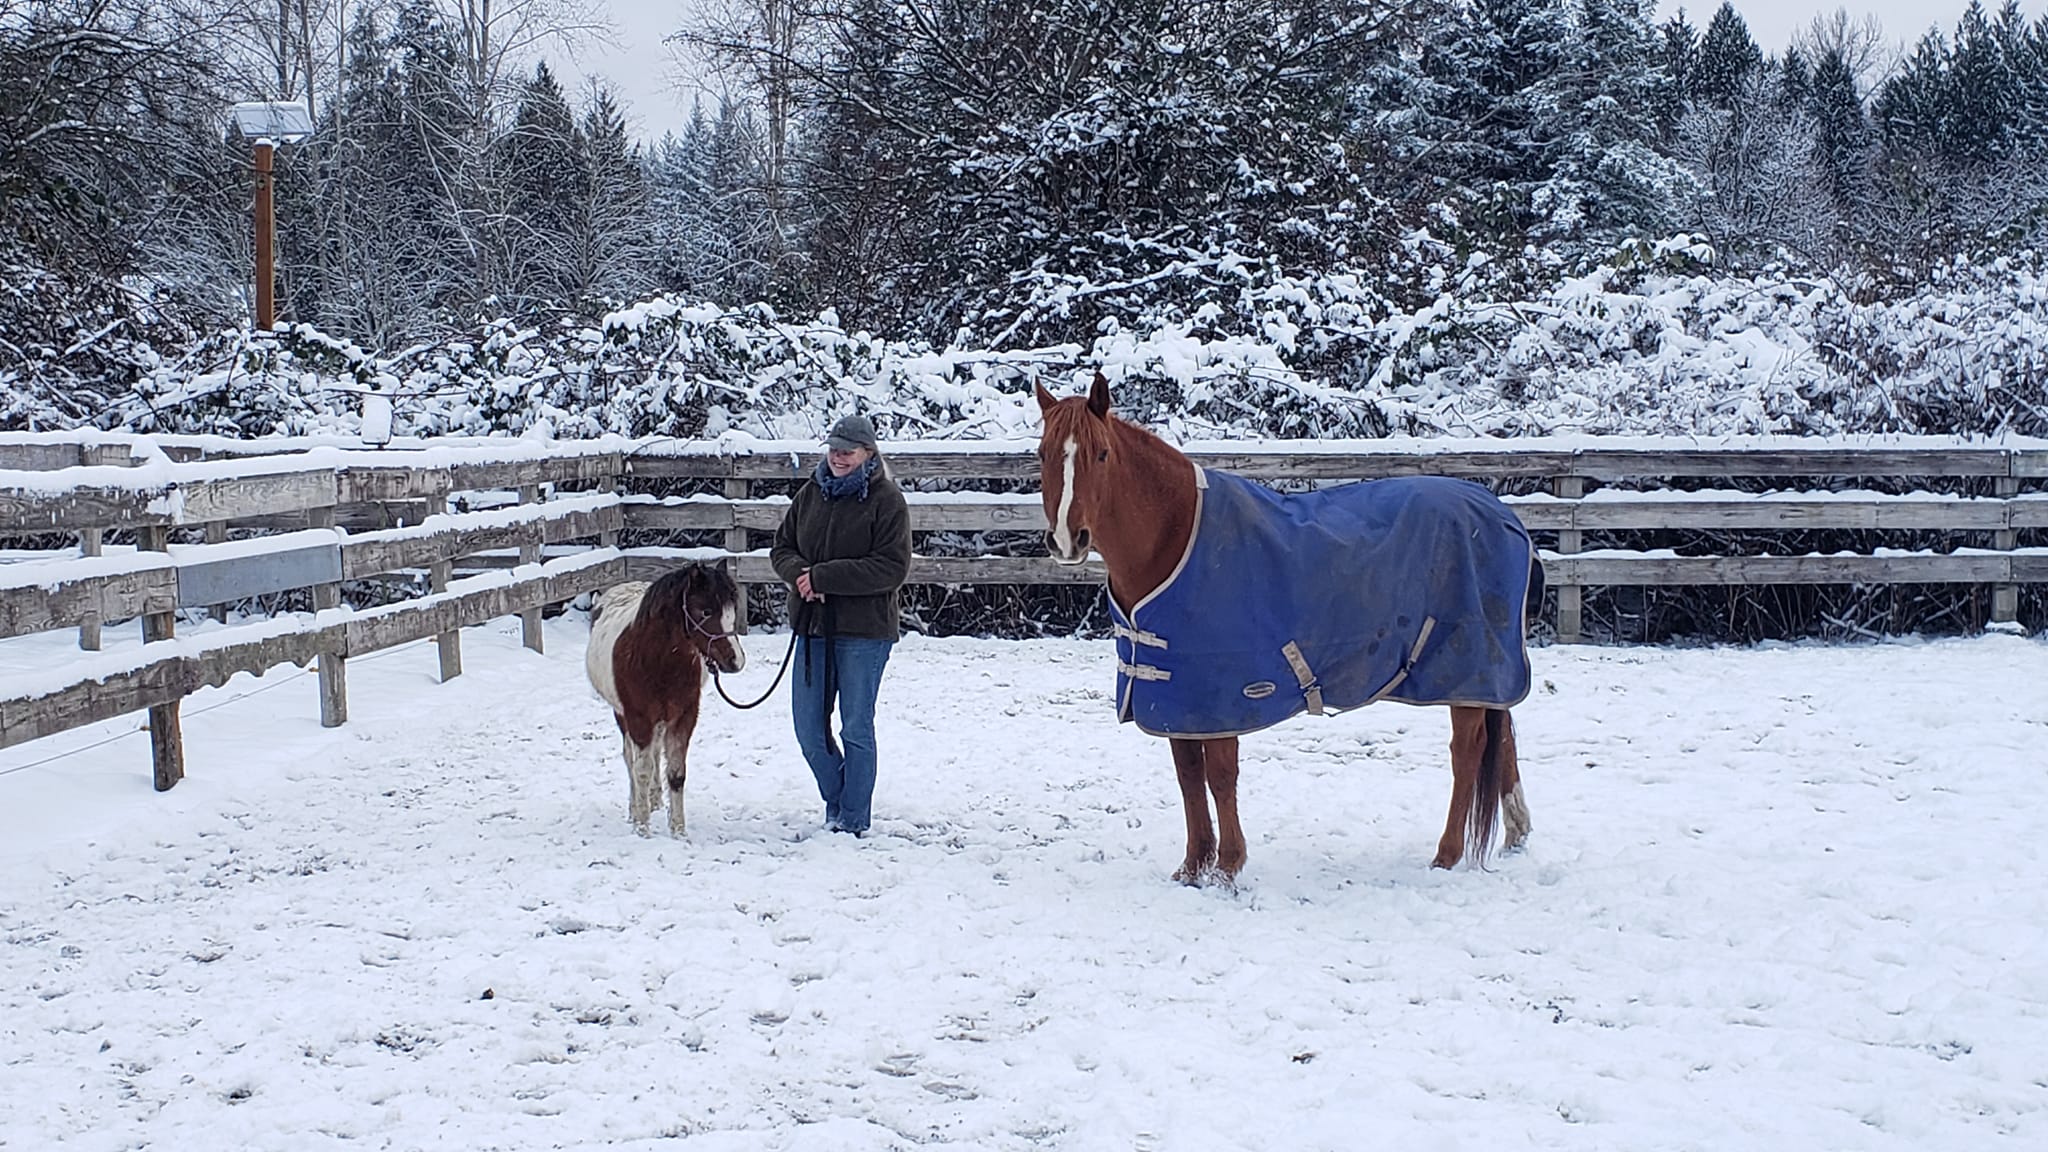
column 1787, row 897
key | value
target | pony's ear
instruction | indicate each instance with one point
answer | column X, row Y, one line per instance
column 1098, row 395
column 1045, row 400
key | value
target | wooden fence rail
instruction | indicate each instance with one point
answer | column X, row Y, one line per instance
column 326, row 516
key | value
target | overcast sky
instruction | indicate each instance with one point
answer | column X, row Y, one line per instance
column 638, row 64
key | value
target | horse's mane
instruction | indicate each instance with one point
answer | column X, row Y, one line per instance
column 668, row 598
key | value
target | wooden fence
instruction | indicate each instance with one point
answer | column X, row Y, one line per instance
column 324, row 515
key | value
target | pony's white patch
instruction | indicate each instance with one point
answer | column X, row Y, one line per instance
column 1062, row 536
column 615, row 609
column 1516, row 809
column 728, row 626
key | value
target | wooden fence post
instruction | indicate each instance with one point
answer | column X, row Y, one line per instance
column 166, row 731
column 530, row 553
column 736, row 540
column 333, row 665
column 450, row 643
column 217, row 533
column 616, row 485
column 1568, row 612
column 91, row 542
column 2005, row 598
column 439, row 574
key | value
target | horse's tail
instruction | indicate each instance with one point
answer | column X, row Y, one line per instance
column 1486, row 793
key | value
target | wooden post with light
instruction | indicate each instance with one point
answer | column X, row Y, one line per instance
column 266, row 124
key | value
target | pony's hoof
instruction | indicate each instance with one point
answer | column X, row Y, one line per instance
column 1445, row 862
column 642, row 831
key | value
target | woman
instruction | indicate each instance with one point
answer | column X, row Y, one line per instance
column 844, row 546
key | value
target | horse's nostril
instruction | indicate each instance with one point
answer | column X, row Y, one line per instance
column 1051, row 543
column 1081, row 540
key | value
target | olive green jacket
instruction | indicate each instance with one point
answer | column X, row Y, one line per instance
column 858, row 553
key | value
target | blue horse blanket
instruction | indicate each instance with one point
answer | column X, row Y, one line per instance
column 1410, row 589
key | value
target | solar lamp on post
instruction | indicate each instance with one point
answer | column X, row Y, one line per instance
column 266, row 124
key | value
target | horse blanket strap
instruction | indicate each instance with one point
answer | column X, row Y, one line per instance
column 1410, row 589
column 1312, row 692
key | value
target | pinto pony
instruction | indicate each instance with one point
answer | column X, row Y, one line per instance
column 1412, row 589
column 649, row 644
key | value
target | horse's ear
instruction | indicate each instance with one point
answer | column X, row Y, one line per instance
column 1098, row 395
column 1045, row 400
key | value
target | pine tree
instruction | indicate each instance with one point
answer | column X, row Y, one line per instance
column 1680, row 43
column 1491, row 124
column 1795, row 80
column 611, row 258
column 1908, row 110
column 1841, row 132
column 1980, row 100
column 2028, row 54
column 1610, row 182
column 372, row 235
column 1729, row 57
column 548, row 186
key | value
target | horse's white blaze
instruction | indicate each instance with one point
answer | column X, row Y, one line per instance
column 728, row 624
column 1062, row 536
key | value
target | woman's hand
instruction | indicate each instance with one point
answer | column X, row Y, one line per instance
column 803, row 586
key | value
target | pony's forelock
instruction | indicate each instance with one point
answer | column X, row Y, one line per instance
column 1071, row 419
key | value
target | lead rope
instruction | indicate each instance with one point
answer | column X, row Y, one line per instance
column 779, row 673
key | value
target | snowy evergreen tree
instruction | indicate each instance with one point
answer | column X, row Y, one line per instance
column 611, row 257
column 1729, row 58
column 1841, row 135
column 547, row 182
column 1680, row 43
column 1981, row 101
column 1609, row 181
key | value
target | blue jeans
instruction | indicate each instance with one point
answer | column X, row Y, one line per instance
column 846, row 778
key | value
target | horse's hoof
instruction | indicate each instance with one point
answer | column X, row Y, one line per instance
column 1444, row 862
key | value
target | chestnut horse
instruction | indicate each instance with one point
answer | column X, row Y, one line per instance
column 1117, row 489
column 649, row 644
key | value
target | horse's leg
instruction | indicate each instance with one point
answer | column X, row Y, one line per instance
column 676, row 745
column 1188, row 766
column 639, row 805
column 1219, row 759
column 1514, row 806
column 1479, row 749
column 1468, row 744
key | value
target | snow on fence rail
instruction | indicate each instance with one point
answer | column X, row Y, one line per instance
column 301, row 490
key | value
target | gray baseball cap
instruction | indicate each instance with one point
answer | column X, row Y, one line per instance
column 853, row 432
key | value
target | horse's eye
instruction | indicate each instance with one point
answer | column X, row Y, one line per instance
column 1102, row 457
